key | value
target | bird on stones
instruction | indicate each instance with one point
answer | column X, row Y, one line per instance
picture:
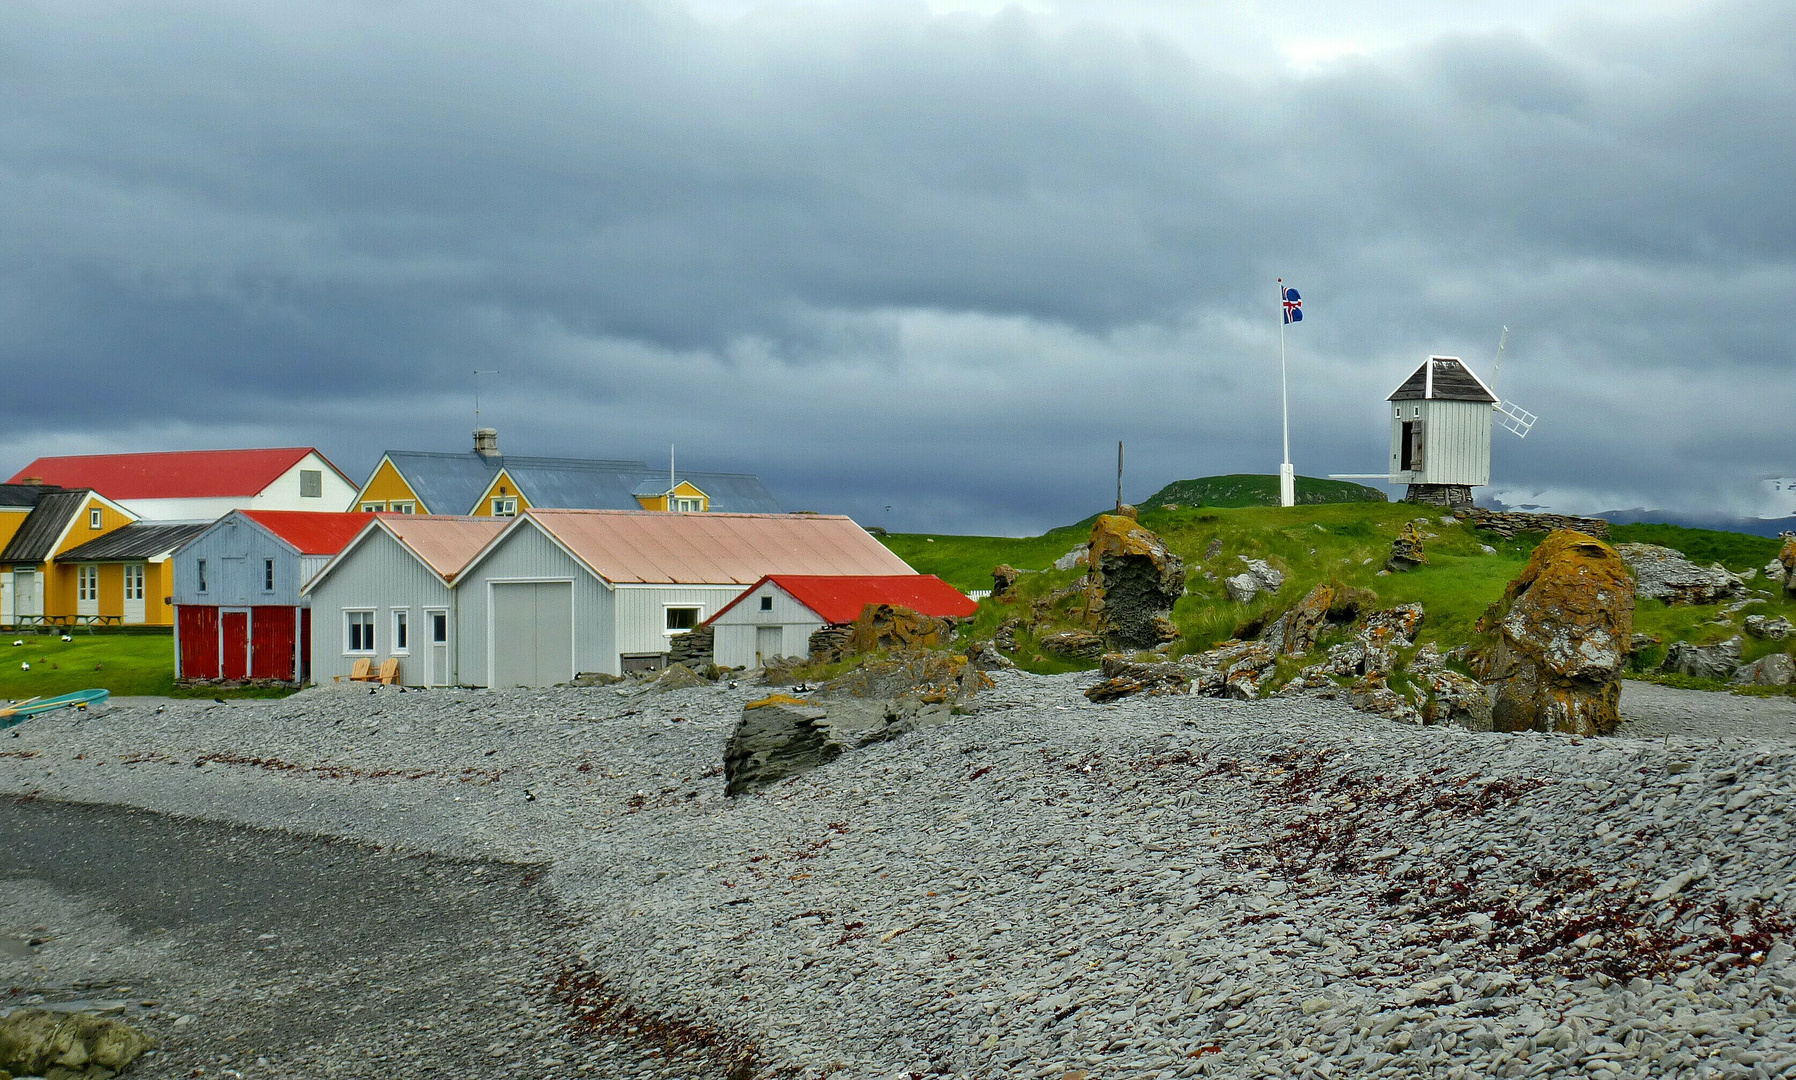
column 529, row 796
column 160, row 709
column 371, row 690
column 219, row 700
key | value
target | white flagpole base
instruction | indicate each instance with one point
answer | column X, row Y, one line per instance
column 1287, row 484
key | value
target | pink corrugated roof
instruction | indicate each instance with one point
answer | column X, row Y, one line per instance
column 625, row 546
column 447, row 544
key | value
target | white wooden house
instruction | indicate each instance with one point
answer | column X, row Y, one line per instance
column 779, row 613
column 1440, row 433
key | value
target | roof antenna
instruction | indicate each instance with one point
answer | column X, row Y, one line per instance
column 477, row 375
column 671, row 482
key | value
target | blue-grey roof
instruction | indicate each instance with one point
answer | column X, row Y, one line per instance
column 138, row 540
column 37, row 535
column 450, row 483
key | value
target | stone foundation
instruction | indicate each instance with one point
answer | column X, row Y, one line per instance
column 1508, row 523
column 1452, row 496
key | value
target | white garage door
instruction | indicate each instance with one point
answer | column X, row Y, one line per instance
column 533, row 633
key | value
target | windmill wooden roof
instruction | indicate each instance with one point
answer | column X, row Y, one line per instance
column 1452, row 381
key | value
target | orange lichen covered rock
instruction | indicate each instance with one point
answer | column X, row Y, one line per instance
column 889, row 626
column 1134, row 581
column 1563, row 631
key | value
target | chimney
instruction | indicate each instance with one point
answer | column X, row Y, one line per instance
column 37, row 480
column 486, row 442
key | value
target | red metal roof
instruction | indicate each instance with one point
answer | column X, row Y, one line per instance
column 180, row 474
column 312, row 533
column 838, row 599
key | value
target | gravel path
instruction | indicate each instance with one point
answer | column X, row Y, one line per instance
column 1161, row 887
column 1650, row 710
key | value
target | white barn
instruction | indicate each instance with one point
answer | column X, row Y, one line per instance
column 779, row 613
column 1440, row 433
column 389, row 594
column 563, row 592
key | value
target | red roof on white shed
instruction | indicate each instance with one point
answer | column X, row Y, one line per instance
column 180, row 474
column 842, row 598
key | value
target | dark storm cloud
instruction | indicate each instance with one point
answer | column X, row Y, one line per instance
column 883, row 258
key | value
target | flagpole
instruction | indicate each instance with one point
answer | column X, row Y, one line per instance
column 1287, row 478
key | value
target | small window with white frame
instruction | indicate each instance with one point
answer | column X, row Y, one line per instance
column 358, row 632
column 439, row 627
column 406, row 507
column 134, row 581
column 401, row 631
column 682, row 620
column 94, row 518
column 267, row 575
column 505, row 506
column 688, row 505
column 87, row 582
column 373, row 507
column 311, row 483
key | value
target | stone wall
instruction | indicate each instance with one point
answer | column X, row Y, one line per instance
column 1508, row 523
column 694, row 649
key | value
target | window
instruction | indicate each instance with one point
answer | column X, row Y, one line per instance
column 87, row 582
column 311, row 484
column 403, row 507
column 93, row 518
column 681, row 620
column 401, row 623
column 134, row 581
column 202, row 569
column 267, row 575
column 439, row 628
column 373, row 508
column 766, row 603
column 686, row 505
column 505, row 507
column 358, row 631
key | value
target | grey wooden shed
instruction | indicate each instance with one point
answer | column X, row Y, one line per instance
column 1440, row 433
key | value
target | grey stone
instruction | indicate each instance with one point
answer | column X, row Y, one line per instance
column 1662, row 573
column 1775, row 669
column 1703, row 661
column 1769, row 628
column 1242, row 588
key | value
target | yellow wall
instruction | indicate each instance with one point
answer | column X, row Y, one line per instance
column 79, row 533
column 158, row 586
column 10, row 520
column 501, row 487
column 387, row 486
column 659, row 502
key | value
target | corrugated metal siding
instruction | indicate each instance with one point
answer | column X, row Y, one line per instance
column 309, row 565
column 382, row 575
column 642, row 612
column 234, row 551
column 736, row 627
column 527, row 553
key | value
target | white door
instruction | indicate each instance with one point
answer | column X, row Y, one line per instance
column 5, row 599
column 27, row 592
column 134, row 592
column 767, row 643
column 532, row 633
column 437, row 646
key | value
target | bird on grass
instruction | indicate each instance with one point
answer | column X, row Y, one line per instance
column 21, row 641
column 26, row 666
column 67, row 637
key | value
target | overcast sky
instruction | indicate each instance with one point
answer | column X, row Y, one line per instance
column 933, row 256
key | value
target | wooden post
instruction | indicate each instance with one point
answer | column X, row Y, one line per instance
column 1119, row 460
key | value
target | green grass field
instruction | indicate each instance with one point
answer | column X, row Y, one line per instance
column 1246, row 489
column 126, row 664
column 1345, row 544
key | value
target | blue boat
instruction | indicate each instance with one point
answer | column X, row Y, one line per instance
column 20, row 711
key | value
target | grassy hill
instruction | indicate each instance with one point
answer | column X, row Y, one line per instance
column 1342, row 543
column 1247, row 489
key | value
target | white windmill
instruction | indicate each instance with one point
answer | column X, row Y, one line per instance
column 1441, row 419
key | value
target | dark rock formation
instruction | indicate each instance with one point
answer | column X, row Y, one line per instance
column 1004, row 578
column 1134, row 581
column 1295, row 631
column 1563, row 630
column 1123, row 677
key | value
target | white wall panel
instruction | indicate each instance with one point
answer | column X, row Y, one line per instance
column 379, row 574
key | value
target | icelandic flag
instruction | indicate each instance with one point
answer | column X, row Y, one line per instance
column 1293, row 305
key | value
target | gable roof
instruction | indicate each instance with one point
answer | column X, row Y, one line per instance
column 651, row 547
column 23, row 496
column 444, row 544
column 311, row 533
column 842, row 598
column 450, row 483
column 180, row 474
column 138, row 540
column 45, row 526
column 1453, row 381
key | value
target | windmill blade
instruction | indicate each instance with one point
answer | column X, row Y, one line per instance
column 1514, row 419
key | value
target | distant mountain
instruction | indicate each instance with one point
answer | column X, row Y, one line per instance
column 1717, row 522
column 1248, row 489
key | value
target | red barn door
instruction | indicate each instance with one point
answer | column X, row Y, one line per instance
column 271, row 643
column 233, row 643
column 198, row 627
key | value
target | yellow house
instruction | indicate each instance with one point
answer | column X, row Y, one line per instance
column 485, row 483
column 75, row 554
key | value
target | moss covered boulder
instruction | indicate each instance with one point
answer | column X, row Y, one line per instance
column 1562, row 629
column 38, row 1042
column 1134, row 581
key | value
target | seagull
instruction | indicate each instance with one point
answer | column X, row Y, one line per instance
column 67, row 637
column 26, row 666
column 21, row 641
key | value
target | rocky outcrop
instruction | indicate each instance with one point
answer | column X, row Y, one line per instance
column 1786, row 559
column 985, row 656
column 1134, row 581
column 1662, row 573
column 1233, row 669
column 674, row 677
column 1775, row 574
column 1776, row 669
column 1703, row 661
column 1073, row 645
column 1453, row 698
column 1563, row 627
column 1124, row 677
column 1768, row 628
column 1004, row 578
column 1073, row 559
column 1260, row 576
column 1508, row 523
column 1294, row 632
column 1406, row 550
column 931, row 676
column 37, row 1042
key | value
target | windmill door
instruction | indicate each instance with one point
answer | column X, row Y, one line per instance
column 233, row 644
